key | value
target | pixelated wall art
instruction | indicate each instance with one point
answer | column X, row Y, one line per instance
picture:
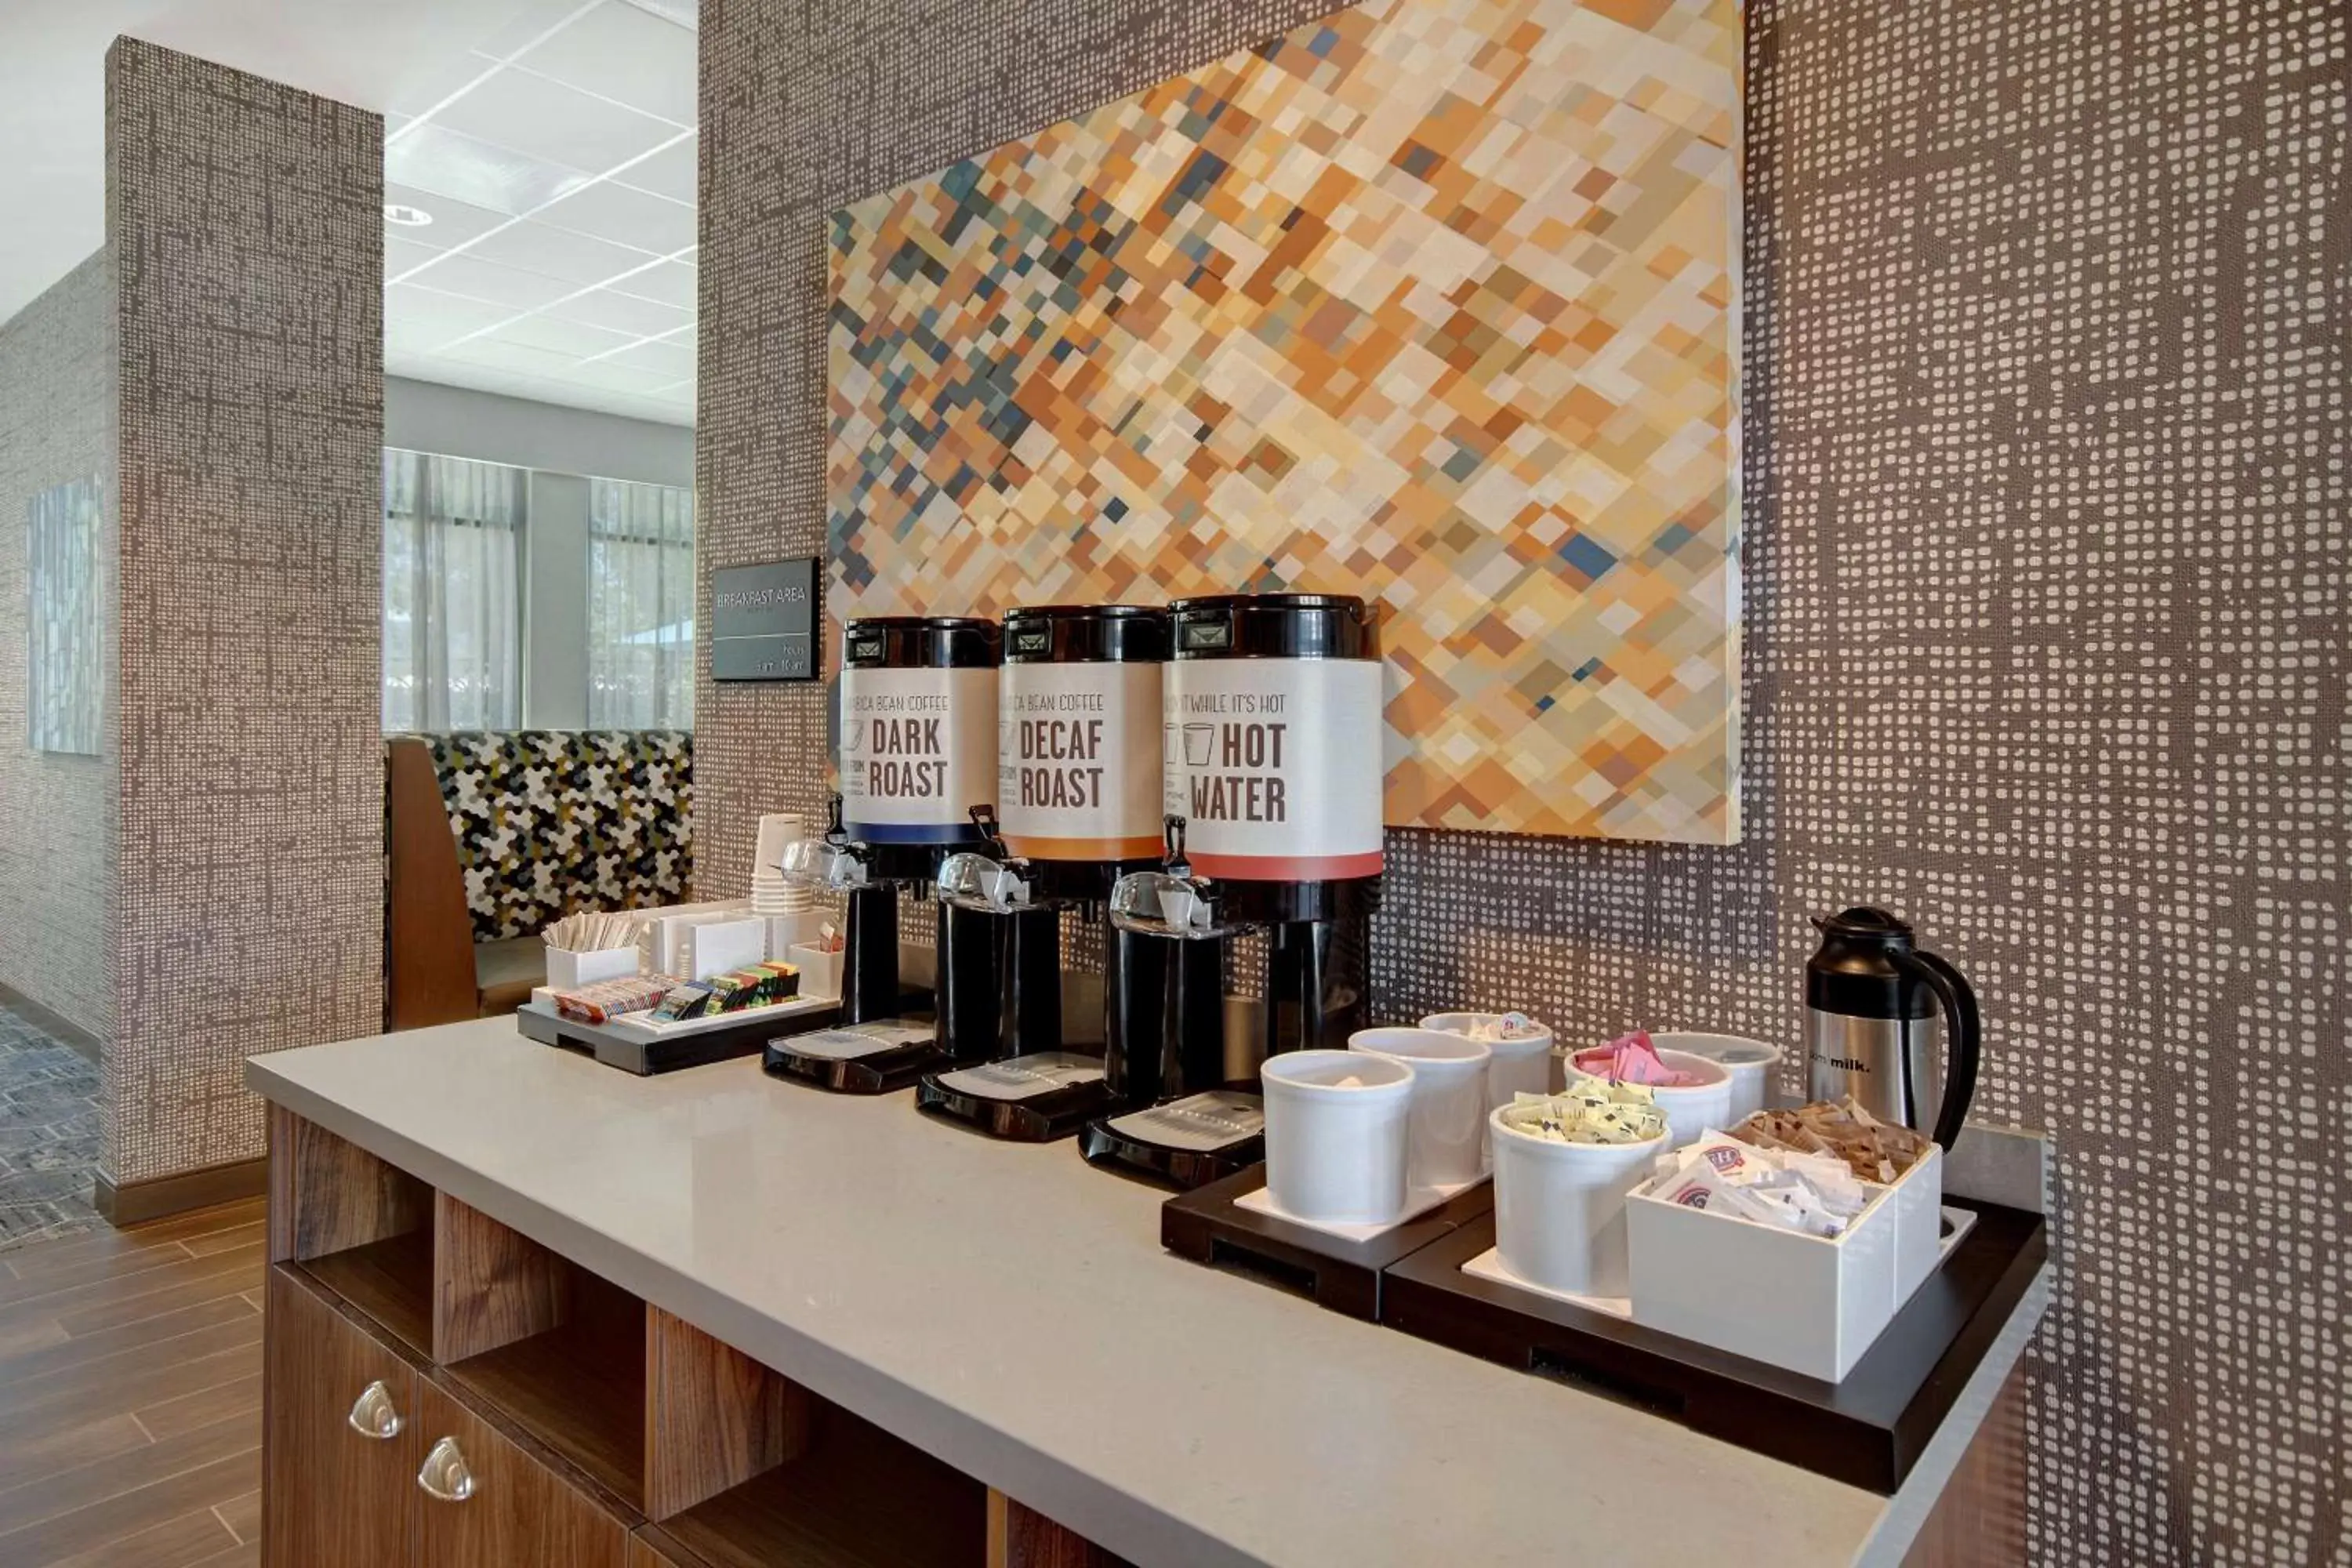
column 1434, row 301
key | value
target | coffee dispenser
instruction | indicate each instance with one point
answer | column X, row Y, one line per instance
column 1078, row 788
column 1270, row 738
column 917, row 717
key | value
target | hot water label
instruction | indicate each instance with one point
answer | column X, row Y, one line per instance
column 1077, row 761
column 1275, row 765
column 917, row 753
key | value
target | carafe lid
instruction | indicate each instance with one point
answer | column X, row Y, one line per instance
column 1863, row 923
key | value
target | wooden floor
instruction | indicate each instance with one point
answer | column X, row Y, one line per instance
column 131, row 1395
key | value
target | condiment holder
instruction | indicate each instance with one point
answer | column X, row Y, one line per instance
column 1560, row 1207
column 1704, row 1107
column 1750, row 1063
column 1523, row 1057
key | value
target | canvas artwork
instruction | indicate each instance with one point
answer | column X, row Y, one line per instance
column 64, row 686
column 1435, row 301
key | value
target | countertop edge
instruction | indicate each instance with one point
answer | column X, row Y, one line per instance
column 1070, row 1497
column 1907, row 1510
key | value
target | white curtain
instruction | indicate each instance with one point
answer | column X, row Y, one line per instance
column 452, row 612
column 640, row 606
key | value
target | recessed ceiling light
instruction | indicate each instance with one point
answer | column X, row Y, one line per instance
column 406, row 216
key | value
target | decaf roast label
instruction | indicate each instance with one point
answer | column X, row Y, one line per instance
column 918, row 749
column 1274, row 765
column 1078, row 759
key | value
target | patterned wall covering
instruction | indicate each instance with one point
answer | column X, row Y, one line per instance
column 1433, row 300
column 247, row 224
column 550, row 821
column 57, row 883
column 2046, row 469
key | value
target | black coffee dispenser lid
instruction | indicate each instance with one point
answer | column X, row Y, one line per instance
column 1086, row 634
column 1274, row 626
column 920, row 642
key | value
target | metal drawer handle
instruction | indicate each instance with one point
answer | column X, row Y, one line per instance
column 445, row 1476
column 373, row 1415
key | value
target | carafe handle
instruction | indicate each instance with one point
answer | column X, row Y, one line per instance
column 1962, row 1026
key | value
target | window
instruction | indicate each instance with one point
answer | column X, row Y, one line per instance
column 640, row 606
column 452, row 616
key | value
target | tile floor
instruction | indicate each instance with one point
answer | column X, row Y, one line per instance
column 49, row 1134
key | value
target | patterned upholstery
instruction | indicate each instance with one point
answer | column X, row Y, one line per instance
column 550, row 821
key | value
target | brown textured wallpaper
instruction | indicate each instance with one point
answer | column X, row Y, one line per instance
column 56, row 853
column 245, row 220
column 2047, row 479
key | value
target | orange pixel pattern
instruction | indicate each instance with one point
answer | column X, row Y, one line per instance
column 1434, row 301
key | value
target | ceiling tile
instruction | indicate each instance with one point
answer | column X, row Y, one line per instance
column 529, row 22
column 613, row 373
column 622, row 313
column 576, row 339
column 671, row 282
column 632, row 217
column 548, row 120
column 667, row 357
column 421, row 90
column 669, row 173
column 439, row 161
column 519, row 357
column 401, row 255
column 558, row 253
column 619, row 52
column 478, row 277
column 423, row 318
column 454, row 222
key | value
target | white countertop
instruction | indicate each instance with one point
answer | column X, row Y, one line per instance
column 1010, row 1310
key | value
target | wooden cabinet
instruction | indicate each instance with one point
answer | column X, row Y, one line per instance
column 332, row 1492
column 643, row 1553
column 443, row 1392
column 491, row 1505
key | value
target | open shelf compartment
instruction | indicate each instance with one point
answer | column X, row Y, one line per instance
column 359, row 1227
column 748, row 1468
column 558, row 1350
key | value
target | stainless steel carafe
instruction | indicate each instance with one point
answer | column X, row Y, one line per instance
column 1874, row 1004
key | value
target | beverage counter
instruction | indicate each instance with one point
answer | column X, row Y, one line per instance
column 708, row 1313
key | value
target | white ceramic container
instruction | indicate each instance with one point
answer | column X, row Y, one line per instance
column 1701, row 1108
column 1521, row 1066
column 1445, row 1134
column 1750, row 1063
column 1336, row 1135
column 1559, row 1208
column 568, row 971
column 1809, row 1303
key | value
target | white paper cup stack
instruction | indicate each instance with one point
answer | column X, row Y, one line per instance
column 771, row 894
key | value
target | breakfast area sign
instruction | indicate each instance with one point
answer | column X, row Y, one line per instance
column 764, row 621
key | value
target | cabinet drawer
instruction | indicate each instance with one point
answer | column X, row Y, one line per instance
column 497, row 1507
column 339, row 1437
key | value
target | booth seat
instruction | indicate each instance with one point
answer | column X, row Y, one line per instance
column 490, row 837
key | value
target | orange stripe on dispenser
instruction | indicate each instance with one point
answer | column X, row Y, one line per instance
column 1287, row 868
column 1031, row 846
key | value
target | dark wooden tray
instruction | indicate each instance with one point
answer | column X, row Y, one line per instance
column 699, row 1047
column 1207, row 1226
column 1867, row 1430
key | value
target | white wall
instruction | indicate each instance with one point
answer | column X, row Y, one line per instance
column 425, row 416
